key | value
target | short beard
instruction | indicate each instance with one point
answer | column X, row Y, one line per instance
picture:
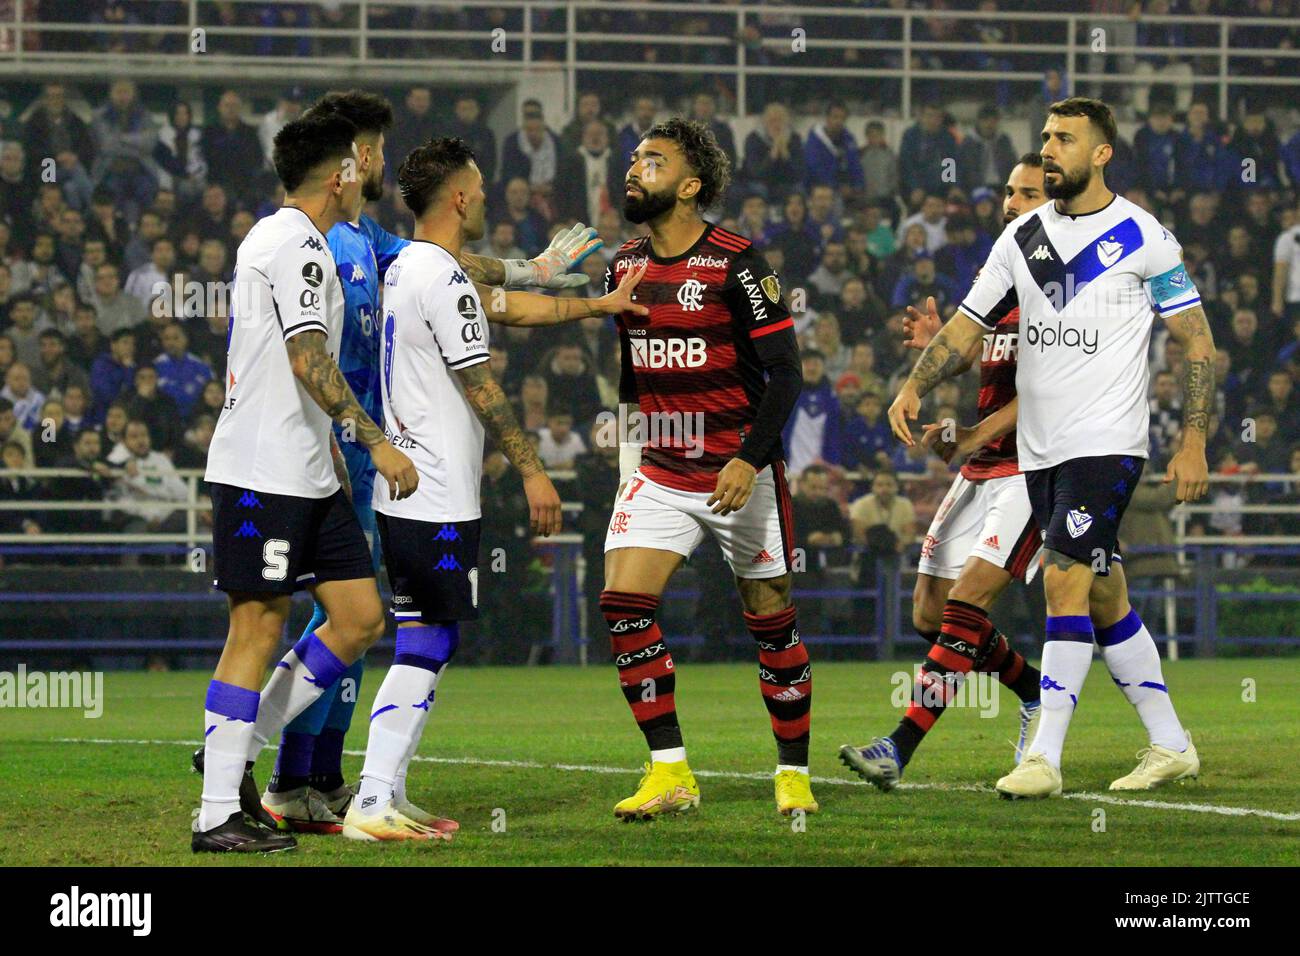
column 1068, row 187
column 648, row 206
column 372, row 190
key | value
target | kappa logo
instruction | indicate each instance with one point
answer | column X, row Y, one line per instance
column 1042, row 252
column 246, row 530
column 448, row 562
column 447, row 532
column 249, row 500
column 691, row 295
column 312, row 243
column 1109, row 251
column 1077, row 521
column 358, row 274
column 457, row 278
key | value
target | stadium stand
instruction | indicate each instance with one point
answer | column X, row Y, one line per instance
column 111, row 369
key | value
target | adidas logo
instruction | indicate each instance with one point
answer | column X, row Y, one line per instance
column 788, row 695
column 991, row 541
column 1041, row 252
column 246, row 530
column 763, row 558
column 249, row 500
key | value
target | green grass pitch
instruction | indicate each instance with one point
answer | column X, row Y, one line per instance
column 549, row 751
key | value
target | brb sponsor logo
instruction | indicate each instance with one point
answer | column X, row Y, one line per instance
column 669, row 353
column 1000, row 347
column 1044, row 336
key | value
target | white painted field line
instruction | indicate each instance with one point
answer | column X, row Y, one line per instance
column 735, row 775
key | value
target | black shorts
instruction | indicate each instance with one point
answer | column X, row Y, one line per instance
column 277, row 544
column 432, row 568
column 1080, row 503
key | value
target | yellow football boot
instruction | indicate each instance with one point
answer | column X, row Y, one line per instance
column 794, row 792
column 665, row 788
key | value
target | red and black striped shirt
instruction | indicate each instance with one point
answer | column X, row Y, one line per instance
column 998, row 458
column 693, row 364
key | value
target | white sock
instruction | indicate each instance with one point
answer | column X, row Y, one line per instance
column 1134, row 664
column 671, row 755
column 1065, row 667
column 227, row 725
column 785, row 766
column 400, row 710
column 399, row 785
column 307, row 671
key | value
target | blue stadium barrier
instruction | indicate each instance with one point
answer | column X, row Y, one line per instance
column 889, row 597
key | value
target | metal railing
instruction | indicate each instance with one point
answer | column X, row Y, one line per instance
column 199, row 46
column 195, row 537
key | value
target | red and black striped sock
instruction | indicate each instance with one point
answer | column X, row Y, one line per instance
column 965, row 630
column 1011, row 668
column 785, row 680
column 645, row 668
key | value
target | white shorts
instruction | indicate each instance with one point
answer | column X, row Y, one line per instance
column 755, row 540
column 990, row 519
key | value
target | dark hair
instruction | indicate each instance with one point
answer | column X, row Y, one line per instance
column 1098, row 113
column 816, row 470
column 53, row 334
column 369, row 112
column 428, row 168
column 5, row 405
column 1032, row 160
column 309, row 142
column 121, row 334
column 836, row 104
column 703, row 154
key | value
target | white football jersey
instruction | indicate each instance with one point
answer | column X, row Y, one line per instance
column 1088, row 288
column 271, row 435
column 433, row 326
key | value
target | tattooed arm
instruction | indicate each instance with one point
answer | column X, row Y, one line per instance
column 483, row 269
column 944, row 357
column 530, row 309
column 1189, row 468
column 550, row 270
column 322, row 379
column 493, row 410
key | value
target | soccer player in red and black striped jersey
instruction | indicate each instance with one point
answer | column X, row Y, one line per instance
column 709, row 378
column 982, row 538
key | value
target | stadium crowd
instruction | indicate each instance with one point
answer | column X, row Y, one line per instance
column 112, row 213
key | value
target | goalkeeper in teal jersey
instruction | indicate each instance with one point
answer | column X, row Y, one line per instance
column 307, row 792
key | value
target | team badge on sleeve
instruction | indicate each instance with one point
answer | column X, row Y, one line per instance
column 771, row 286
